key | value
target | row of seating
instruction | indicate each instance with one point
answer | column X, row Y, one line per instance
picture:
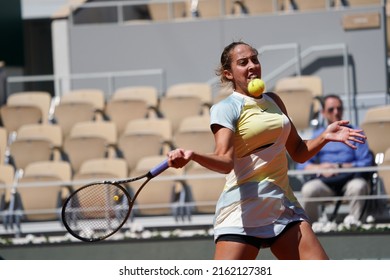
column 91, row 104
column 92, row 139
column 38, row 193
column 214, row 9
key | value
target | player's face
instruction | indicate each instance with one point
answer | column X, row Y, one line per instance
column 245, row 66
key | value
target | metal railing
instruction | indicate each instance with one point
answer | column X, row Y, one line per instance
column 63, row 83
column 17, row 228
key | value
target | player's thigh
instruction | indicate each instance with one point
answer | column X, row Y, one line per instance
column 230, row 250
column 298, row 242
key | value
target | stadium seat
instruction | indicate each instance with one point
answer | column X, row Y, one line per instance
column 160, row 196
column 204, row 188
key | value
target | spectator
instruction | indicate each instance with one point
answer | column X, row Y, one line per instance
column 335, row 155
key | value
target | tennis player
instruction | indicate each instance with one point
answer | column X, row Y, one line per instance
column 257, row 208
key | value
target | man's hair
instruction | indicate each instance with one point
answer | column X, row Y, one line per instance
column 331, row 95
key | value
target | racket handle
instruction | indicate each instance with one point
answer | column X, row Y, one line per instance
column 159, row 169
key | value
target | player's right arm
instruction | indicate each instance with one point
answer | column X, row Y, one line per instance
column 220, row 161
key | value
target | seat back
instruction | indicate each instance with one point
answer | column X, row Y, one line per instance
column 300, row 115
column 381, row 112
column 134, row 146
column 147, row 93
column 26, row 151
column 80, row 149
column 159, row 126
column 95, row 97
column 3, row 144
column 158, row 197
column 116, row 167
column 201, row 90
column 385, row 174
column 40, row 99
column 303, row 5
column 167, row 11
column 211, row 8
column 122, row 111
column 205, row 188
column 377, row 140
column 7, row 176
column 42, row 188
column 68, row 114
column 194, row 133
column 267, row 6
column 40, row 197
column 14, row 116
column 177, row 108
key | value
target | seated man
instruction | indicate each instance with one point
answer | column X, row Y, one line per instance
column 335, row 155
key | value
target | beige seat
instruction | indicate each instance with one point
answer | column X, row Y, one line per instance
column 40, row 99
column 252, row 7
column 95, row 170
column 7, row 177
column 104, row 129
column 96, row 97
column 159, row 126
column 89, row 140
column 385, row 174
column 381, row 112
column 375, row 122
column 135, row 144
column 312, row 5
column 161, row 196
column 377, row 137
column 358, row 3
column 25, row 151
column 194, row 133
column 67, row 114
column 200, row 90
column 14, row 116
column 300, row 115
column 122, row 111
column 167, row 11
column 51, row 132
column 98, row 169
column 114, row 167
column 147, row 93
column 211, row 8
column 302, row 85
column 3, row 145
column 177, row 108
column 36, row 142
column 205, row 188
column 41, row 189
column 310, row 82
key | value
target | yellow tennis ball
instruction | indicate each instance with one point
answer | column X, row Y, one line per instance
column 116, row 198
column 256, row 87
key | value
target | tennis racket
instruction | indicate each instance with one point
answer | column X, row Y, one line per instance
column 98, row 210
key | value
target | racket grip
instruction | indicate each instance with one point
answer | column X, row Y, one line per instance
column 159, row 168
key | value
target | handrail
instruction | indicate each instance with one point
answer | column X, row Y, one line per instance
column 110, row 76
column 16, row 230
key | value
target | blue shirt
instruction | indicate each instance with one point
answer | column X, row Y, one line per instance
column 337, row 152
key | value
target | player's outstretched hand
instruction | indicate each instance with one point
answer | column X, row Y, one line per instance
column 340, row 132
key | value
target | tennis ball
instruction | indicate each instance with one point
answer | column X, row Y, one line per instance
column 256, row 87
column 116, row 198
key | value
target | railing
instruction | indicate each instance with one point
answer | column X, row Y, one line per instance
column 62, row 83
column 17, row 229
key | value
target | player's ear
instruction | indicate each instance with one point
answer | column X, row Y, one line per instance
column 228, row 75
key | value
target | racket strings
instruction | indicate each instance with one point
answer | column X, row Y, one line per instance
column 97, row 211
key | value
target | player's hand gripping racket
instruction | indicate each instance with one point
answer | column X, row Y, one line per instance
column 98, row 210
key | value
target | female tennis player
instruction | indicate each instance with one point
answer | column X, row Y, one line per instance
column 257, row 208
